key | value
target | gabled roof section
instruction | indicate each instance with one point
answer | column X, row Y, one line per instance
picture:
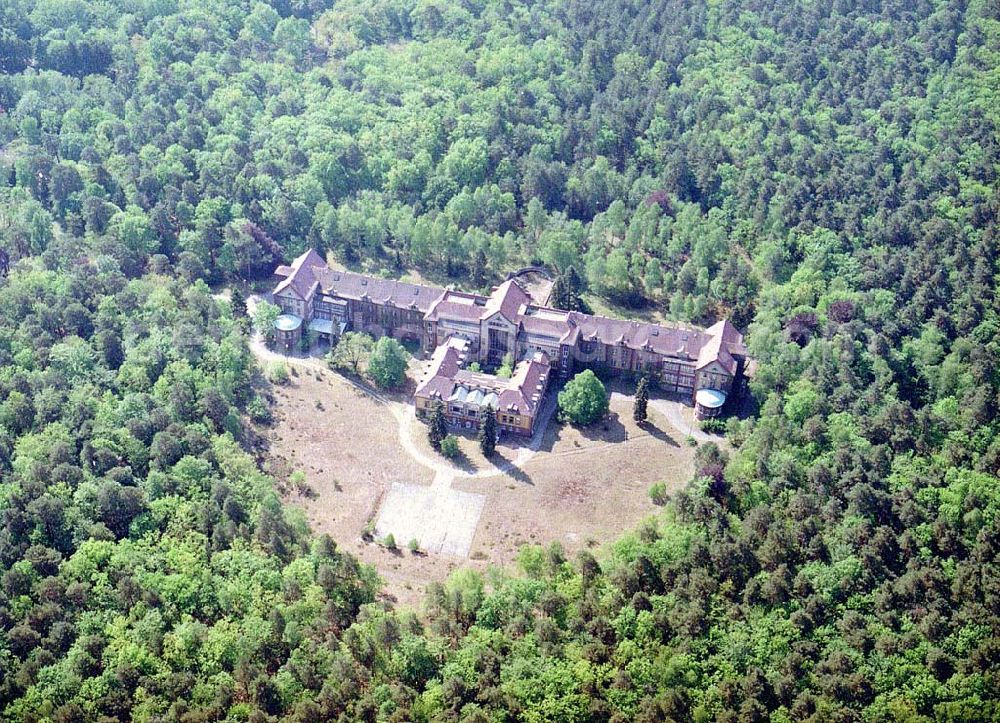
column 527, row 386
column 360, row 287
column 508, row 299
column 724, row 345
column 458, row 306
column 301, row 278
column 446, row 361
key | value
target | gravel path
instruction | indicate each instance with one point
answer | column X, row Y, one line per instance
column 672, row 411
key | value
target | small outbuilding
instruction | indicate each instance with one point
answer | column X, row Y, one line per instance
column 287, row 330
column 708, row 403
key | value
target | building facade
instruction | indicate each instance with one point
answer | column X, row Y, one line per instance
column 681, row 359
column 465, row 394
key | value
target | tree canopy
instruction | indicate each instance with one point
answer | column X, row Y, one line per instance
column 387, row 364
column 583, row 400
column 823, row 174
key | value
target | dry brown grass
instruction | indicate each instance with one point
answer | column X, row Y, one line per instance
column 583, row 487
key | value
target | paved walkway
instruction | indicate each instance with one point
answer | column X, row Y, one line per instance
column 672, row 411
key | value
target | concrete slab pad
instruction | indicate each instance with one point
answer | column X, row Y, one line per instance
column 442, row 519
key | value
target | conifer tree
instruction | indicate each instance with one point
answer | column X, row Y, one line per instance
column 488, row 432
column 238, row 302
column 439, row 427
column 639, row 413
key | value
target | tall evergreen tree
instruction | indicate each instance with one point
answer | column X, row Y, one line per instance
column 559, row 296
column 488, row 432
column 641, row 401
column 439, row 427
column 566, row 290
column 238, row 302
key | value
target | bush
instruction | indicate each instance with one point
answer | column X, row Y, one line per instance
column 259, row 411
column 277, row 373
column 389, row 541
column 298, row 481
column 713, row 426
column 506, row 368
column 449, row 446
column 414, row 545
column 658, row 493
column 583, row 400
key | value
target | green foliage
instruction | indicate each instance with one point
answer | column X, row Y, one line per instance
column 387, row 365
column 277, row 372
column 352, row 350
column 156, row 549
column 658, row 493
column 506, row 368
column 437, row 430
column 264, row 315
column 789, row 165
column 449, row 446
column 583, row 400
column 488, row 432
column 259, row 411
column 713, row 426
column 640, row 402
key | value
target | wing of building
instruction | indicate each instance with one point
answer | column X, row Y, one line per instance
column 457, row 328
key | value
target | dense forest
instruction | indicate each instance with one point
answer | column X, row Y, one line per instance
column 825, row 174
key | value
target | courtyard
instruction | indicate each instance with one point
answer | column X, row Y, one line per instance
column 370, row 472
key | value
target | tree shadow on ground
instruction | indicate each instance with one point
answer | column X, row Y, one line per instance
column 519, row 475
column 609, row 429
column 656, row 433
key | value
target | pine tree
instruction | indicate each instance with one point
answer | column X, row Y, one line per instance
column 574, row 287
column 558, row 297
column 641, row 400
column 238, row 302
column 439, row 427
column 488, row 432
column 566, row 290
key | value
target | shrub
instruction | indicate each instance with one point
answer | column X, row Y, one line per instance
column 658, row 493
column 449, row 446
column 713, row 426
column 277, row 373
column 298, row 480
column 389, row 541
column 506, row 368
column 414, row 545
column 259, row 411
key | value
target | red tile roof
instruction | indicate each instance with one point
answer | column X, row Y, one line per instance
column 508, row 298
column 446, row 361
column 359, row 287
column 721, row 342
column 457, row 305
column 302, row 278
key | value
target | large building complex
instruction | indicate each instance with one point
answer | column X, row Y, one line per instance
column 457, row 328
